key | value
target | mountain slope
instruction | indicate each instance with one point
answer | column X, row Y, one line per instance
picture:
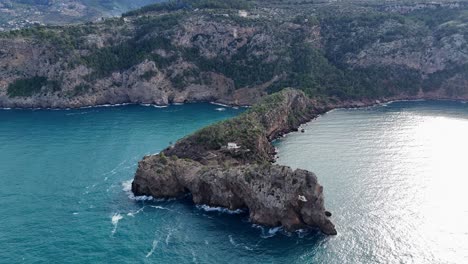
column 237, row 51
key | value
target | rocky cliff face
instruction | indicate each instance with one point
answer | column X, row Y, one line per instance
column 242, row 177
column 237, row 54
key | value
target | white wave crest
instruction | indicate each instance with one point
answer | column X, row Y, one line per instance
column 153, row 248
column 132, row 214
column 231, row 240
column 268, row 232
column 220, row 109
column 219, row 209
column 220, row 104
column 154, row 105
column 115, row 221
column 127, row 187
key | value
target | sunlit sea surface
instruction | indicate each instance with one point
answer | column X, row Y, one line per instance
column 395, row 179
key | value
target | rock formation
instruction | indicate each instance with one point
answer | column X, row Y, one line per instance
column 242, row 175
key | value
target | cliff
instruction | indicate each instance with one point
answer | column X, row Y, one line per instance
column 229, row 164
column 236, row 52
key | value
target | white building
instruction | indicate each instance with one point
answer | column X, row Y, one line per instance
column 232, row 145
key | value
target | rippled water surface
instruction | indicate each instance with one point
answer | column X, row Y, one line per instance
column 394, row 178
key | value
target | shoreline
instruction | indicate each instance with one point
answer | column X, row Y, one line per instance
column 111, row 105
column 347, row 104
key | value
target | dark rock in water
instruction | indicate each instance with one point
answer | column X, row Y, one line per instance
column 302, row 130
column 239, row 174
column 328, row 214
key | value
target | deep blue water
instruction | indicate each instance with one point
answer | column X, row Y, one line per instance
column 394, row 178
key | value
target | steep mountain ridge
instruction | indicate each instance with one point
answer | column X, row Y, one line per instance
column 236, row 52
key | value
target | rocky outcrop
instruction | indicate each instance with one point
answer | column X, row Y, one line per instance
column 240, row 175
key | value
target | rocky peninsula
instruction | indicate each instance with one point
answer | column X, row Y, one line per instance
column 229, row 164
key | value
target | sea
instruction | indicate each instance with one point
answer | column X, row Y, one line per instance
column 395, row 179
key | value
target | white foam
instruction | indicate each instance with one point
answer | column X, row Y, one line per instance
column 153, row 248
column 154, row 105
column 220, row 109
column 160, row 207
column 168, row 237
column 219, row 209
column 115, row 221
column 220, row 104
column 301, row 233
column 270, row 232
column 231, row 240
column 127, row 187
column 132, row 214
column 97, row 106
column 159, row 106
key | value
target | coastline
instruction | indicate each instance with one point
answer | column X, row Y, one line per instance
column 346, row 104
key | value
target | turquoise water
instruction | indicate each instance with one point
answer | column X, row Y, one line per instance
column 394, row 177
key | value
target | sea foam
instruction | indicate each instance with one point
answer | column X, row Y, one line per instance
column 115, row 221
column 207, row 208
column 127, row 187
column 268, row 232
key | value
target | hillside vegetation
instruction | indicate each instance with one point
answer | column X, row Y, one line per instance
column 237, row 51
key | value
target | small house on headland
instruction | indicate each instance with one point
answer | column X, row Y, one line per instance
column 232, row 145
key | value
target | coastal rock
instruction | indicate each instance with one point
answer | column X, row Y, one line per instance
column 270, row 192
column 242, row 176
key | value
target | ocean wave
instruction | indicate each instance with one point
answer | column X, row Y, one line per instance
column 220, row 109
column 153, row 248
column 154, row 105
column 220, row 104
column 268, row 232
column 160, row 207
column 168, row 237
column 207, row 208
column 115, row 221
column 231, row 240
column 127, row 187
column 132, row 214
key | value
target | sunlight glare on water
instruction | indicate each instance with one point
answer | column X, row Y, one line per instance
column 395, row 178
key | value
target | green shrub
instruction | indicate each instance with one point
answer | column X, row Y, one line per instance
column 26, row 87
